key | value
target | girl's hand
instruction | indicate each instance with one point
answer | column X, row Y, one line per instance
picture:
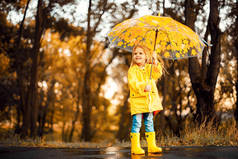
column 147, row 88
column 154, row 56
column 155, row 61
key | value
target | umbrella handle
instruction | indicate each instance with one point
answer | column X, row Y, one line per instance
column 156, row 33
column 151, row 68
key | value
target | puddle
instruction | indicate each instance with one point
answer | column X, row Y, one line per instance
column 208, row 152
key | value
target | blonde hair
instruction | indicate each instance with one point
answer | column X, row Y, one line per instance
column 160, row 60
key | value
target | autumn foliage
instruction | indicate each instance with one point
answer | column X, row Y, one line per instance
column 60, row 80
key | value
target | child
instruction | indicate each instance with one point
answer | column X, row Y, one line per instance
column 144, row 98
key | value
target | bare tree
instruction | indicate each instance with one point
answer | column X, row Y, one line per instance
column 87, row 92
column 19, row 71
column 235, row 50
column 31, row 108
column 204, row 86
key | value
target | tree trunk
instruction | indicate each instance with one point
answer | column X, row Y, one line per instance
column 73, row 124
column 63, row 132
column 215, row 58
column 31, row 109
column 204, row 87
column 76, row 113
column 236, row 109
column 51, row 121
column 45, row 109
column 87, row 107
column 236, row 55
column 123, row 132
column 21, row 105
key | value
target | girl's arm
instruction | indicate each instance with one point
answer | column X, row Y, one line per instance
column 156, row 71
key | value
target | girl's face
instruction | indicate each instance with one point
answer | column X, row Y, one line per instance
column 139, row 56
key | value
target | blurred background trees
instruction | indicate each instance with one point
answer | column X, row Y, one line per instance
column 59, row 78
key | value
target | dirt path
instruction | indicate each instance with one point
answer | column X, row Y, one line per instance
column 210, row 152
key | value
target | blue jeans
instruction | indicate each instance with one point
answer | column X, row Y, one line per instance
column 148, row 121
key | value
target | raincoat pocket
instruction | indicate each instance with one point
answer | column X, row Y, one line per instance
column 139, row 104
column 139, row 99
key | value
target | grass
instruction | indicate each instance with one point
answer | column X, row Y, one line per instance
column 225, row 135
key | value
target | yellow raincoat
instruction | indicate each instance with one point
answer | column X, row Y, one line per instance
column 138, row 78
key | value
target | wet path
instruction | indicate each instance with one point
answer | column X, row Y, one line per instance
column 209, row 152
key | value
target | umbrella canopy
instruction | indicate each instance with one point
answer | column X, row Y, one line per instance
column 164, row 35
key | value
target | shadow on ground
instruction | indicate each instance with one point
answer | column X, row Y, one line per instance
column 208, row 152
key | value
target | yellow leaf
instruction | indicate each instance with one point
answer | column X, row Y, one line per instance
column 120, row 43
column 167, row 55
column 193, row 52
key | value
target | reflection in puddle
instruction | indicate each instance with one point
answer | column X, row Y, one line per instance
column 111, row 150
column 137, row 156
column 147, row 156
column 157, row 154
column 124, row 153
column 116, row 153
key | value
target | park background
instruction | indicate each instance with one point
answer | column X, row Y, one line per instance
column 61, row 81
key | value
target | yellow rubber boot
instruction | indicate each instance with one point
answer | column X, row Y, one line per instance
column 135, row 144
column 150, row 138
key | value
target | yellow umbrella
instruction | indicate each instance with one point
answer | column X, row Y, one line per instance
column 164, row 35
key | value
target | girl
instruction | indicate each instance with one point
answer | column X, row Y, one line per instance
column 144, row 98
